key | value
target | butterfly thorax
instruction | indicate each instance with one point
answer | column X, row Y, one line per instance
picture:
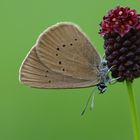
column 103, row 70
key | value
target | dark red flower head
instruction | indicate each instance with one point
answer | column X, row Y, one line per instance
column 120, row 30
column 120, row 20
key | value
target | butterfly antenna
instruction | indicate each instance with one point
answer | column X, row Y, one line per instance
column 92, row 103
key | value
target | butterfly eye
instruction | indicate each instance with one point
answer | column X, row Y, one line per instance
column 104, row 63
column 63, row 45
column 71, row 44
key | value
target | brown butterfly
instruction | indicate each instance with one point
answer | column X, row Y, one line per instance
column 63, row 57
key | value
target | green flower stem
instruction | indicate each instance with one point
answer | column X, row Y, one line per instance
column 133, row 111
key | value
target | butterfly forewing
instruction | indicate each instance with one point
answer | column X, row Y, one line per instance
column 66, row 50
column 63, row 57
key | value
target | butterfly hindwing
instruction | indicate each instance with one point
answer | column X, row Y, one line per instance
column 35, row 74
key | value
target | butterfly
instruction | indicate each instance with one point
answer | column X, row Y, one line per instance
column 64, row 57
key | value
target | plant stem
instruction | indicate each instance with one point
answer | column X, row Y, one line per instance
column 133, row 111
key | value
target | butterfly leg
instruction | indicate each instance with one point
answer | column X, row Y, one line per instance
column 112, row 81
column 109, row 70
column 92, row 101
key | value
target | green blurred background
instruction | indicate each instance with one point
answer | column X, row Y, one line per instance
column 42, row 114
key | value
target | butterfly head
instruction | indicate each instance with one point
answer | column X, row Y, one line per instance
column 102, row 87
